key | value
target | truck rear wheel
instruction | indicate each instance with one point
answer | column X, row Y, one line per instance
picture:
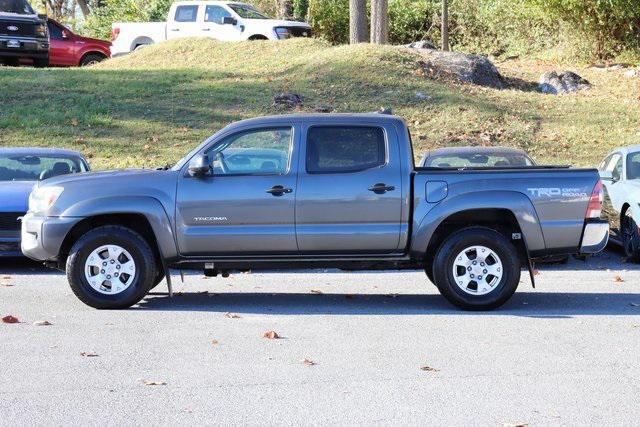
column 111, row 267
column 477, row 269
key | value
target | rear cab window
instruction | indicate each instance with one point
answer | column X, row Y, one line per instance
column 345, row 149
column 186, row 13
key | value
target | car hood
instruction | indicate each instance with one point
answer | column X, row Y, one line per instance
column 14, row 195
column 99, row 176
column 96, row 41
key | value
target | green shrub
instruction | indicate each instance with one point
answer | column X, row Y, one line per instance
column 99, row 22
column 300, row 9
column 330, row 20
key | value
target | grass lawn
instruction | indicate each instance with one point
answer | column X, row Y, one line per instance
column 151, row 107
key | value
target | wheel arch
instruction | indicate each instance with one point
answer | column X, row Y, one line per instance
column 507, row 211
column 92, row 52
column 257, row 37
column 143, row 215
column 141, row 40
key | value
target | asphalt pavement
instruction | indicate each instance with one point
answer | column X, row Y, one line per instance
column 354, row 348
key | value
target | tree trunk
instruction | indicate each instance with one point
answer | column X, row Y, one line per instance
column 286, row 9
column 358, row 21
column 379, row 21
column 84, row 7
column 445, row 25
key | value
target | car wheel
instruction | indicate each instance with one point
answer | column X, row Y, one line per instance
column 41, row 63
column 428, row 270
column 11, row 62
column 630, row 236
column 111, row 267
column 477, row 269
column 91, row 59
column 157, row 280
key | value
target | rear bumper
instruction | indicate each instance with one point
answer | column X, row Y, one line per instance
column 29, row 48
column 595, row 236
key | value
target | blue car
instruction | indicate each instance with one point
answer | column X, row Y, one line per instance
column 20, row 168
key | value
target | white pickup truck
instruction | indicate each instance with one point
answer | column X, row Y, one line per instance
column 220, row 20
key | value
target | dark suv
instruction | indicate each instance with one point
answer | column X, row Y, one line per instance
column 23, row 34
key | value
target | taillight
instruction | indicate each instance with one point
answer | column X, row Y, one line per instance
column 594, row 208
column 115, row 32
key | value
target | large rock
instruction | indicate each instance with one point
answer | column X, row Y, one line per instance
column 474, row 69
column 558, row 84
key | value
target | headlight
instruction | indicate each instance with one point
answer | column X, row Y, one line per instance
column 43, row 198
column 282, row 33
column 41, row 30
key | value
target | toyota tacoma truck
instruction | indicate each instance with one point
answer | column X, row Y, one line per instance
column 303, row 191
column 23, row 34
column 220, row 20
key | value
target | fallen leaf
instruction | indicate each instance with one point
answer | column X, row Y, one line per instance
column 75, row 122
column 146, row 146
column 272, row 335
column 42, row 323
column 80, row 140
column 618, row 279
column 536, row 272
column 308, row 362
column 215, row 342
column 231, row 315
column 515, row 424
column 152, row 382
column 6, row 277
column 10, row 319
column 429, row 369
column 316, row 292
column 88, row 354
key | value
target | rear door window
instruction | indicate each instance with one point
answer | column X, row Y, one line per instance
column 186, row 13
column 344, row 149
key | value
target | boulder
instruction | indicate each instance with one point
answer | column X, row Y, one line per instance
column 422, row 44
column 558, row 84
column 287, row 101
column 474, row 69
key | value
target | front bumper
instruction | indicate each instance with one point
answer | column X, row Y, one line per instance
column 595, row 236
column 42, row 236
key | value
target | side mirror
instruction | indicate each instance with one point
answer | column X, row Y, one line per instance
column 229, row 20
column 199, row 166
column 606, row 175
column 65, row 34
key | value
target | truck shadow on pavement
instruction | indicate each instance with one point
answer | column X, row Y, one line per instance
column 556, row 305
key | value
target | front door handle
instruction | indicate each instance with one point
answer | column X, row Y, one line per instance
column 279, row 190
column 175, row 29
column 381, row 188
column 206, row 29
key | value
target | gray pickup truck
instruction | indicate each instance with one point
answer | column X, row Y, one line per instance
column 303, row 191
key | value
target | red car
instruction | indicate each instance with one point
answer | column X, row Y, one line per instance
column 67, row 49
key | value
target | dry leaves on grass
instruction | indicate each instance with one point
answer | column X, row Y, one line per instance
column 10, row 319
column 271, row 335
column 75, row 122
column 231, row 315
column 153, row 382
column 308, row 362
column 42, row 323
column 618, row 279
column 88, row 354
column 429, row 369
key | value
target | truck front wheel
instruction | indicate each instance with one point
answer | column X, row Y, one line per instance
column 111, row 267
column 477, row 269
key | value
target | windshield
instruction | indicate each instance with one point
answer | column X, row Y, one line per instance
column 21, row 7
column 34, row 168
column 478, row 160
column 247, row 12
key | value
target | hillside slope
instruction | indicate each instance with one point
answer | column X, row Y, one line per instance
column 151, row 107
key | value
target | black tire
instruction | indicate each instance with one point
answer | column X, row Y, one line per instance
column 158, row 279
column 41, row 63
column 91, row 59
column 135, row 244
column 428, row 270
column 11, row 62
column 458, row 242
column 630, row 236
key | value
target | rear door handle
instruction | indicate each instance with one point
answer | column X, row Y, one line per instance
column 279, row 190
column 175, row 29
column 381, row 188
column 206, row 29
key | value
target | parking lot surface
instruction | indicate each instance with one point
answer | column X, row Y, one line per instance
column 355, row 348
